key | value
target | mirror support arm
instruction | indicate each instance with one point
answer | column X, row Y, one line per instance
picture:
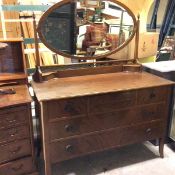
column 137, row 40
column 37, row 76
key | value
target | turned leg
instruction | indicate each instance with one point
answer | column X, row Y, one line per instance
column 161, row 147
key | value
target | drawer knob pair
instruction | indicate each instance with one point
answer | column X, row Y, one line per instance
column 69, row 148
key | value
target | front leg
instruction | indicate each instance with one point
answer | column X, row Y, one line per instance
column 161, row 147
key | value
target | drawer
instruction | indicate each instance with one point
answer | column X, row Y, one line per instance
column 111, row 101
column 16, row 133
column 106, row 139
column 13, row 117
column 96, row 122
column 152, row 95
column 67, row 107
column 18, row 167
column 12, row 109
column 33, row 174
column 15, row 150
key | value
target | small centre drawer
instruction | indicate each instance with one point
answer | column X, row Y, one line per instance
column 111, row 101
column 67, row 107
column 18, row 167
column 15, row 150
column 20, row 132
column 152, row 95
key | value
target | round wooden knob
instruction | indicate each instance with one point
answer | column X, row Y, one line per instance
column 69, row 148
column 152, row 95
column 68, row 128
column 148, row 130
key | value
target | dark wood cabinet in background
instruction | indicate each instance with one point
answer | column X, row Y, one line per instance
column 16, row 133
column 12, row 62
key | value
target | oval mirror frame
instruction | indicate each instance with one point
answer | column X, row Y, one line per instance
column 49, row 46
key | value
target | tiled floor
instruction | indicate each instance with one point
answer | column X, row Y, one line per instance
column 138, row 159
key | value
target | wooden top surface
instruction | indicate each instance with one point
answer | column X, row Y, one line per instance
column 22, row 96
column 96, row 84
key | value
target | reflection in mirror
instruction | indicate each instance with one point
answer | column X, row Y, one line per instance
column 86, row 28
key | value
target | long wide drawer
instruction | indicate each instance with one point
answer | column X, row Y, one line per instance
column 12, row 134
column 81, row 145
column 13, row 116
column 15, row 150
column 18, row 167
column 96, row 122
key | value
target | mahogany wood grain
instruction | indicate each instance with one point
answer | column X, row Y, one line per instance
column 60, row 129
column 111, row 101
column 67, row 107
column 33, row 173
column 152, row 95
column 22, row 96
column 73, row 147
column 15, row 150
column 12, row 61
column 96, row 84
column 13, row 117
column 18, row 167
column 16, row 133
column 85, row 114
column 13, row 77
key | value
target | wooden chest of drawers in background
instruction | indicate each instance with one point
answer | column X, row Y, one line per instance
column 83, row 115
column 16, row 133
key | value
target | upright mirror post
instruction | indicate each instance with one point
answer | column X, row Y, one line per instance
column 37, row 76
column 137, row 40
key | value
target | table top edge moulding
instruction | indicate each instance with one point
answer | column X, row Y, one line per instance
column 96, row 84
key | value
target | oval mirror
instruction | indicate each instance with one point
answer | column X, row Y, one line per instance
column 87, row 29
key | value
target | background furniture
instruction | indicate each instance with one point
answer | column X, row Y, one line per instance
column 12, row 62
column 16, row 133
column 85, row 114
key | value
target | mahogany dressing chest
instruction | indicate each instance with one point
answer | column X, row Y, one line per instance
column 99, row 105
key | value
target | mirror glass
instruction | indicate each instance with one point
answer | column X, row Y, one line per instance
column 86, row 28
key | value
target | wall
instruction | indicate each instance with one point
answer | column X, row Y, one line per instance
column 160, row 14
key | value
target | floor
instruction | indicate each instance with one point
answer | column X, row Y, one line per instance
column 138, row 159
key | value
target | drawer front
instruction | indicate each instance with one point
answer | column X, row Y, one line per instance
column 111, row 101
column 14, row 118
column 77, row 146
column 152, row 95
column 12, row 109
column 20, row 132
column 96, row 122
column 33, row 174
column 18, row 167
column 67, row 107
column 15, row 150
